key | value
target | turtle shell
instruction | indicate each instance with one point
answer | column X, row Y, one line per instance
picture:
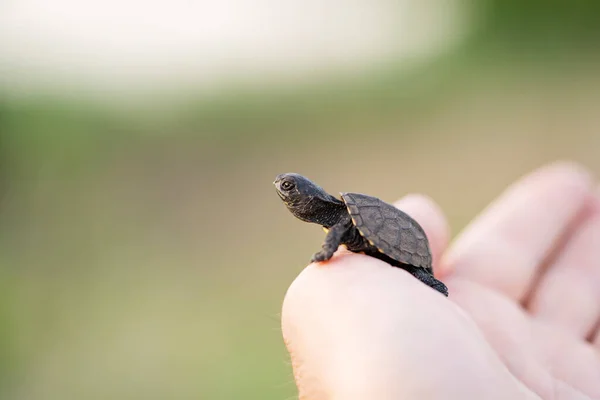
column 392, row 231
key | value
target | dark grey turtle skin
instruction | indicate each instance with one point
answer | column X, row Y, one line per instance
column 363, row 224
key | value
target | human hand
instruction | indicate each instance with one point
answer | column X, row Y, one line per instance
column 521, row 322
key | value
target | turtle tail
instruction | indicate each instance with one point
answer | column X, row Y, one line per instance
column 440, row 287
column 429, row 280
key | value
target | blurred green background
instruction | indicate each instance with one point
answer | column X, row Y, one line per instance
column 144, row 253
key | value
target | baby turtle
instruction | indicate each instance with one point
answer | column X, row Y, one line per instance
column 363, row 224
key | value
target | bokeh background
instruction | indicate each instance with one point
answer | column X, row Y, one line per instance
column 143, row 251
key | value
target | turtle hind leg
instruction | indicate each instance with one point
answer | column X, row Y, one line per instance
column 429, row 280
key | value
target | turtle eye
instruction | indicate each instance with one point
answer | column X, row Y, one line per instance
column 287, row 185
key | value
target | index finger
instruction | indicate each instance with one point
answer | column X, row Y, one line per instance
column 505, row 247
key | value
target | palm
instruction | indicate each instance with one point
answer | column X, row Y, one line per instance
column 546, row 358
column 524, row 284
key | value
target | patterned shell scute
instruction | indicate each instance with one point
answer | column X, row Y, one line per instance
column 392, row 231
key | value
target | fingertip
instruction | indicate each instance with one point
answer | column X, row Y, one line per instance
column 324, row 290
column 314, row 287
column 310, row 324
column 572, row 178
column 568, row 169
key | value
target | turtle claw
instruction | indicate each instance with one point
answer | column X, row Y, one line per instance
column 322, row 255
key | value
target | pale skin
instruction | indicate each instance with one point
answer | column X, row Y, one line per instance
column 522, row 320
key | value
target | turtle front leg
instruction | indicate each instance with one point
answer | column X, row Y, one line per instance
column 331, row 243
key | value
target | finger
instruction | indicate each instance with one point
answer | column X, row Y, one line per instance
column 354, row 331
column 568, row 293
column 429, row 215
column 506, row 245
column 331, row 322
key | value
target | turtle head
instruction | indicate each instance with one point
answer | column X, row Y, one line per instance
column 295, row 189
column 307, row 200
